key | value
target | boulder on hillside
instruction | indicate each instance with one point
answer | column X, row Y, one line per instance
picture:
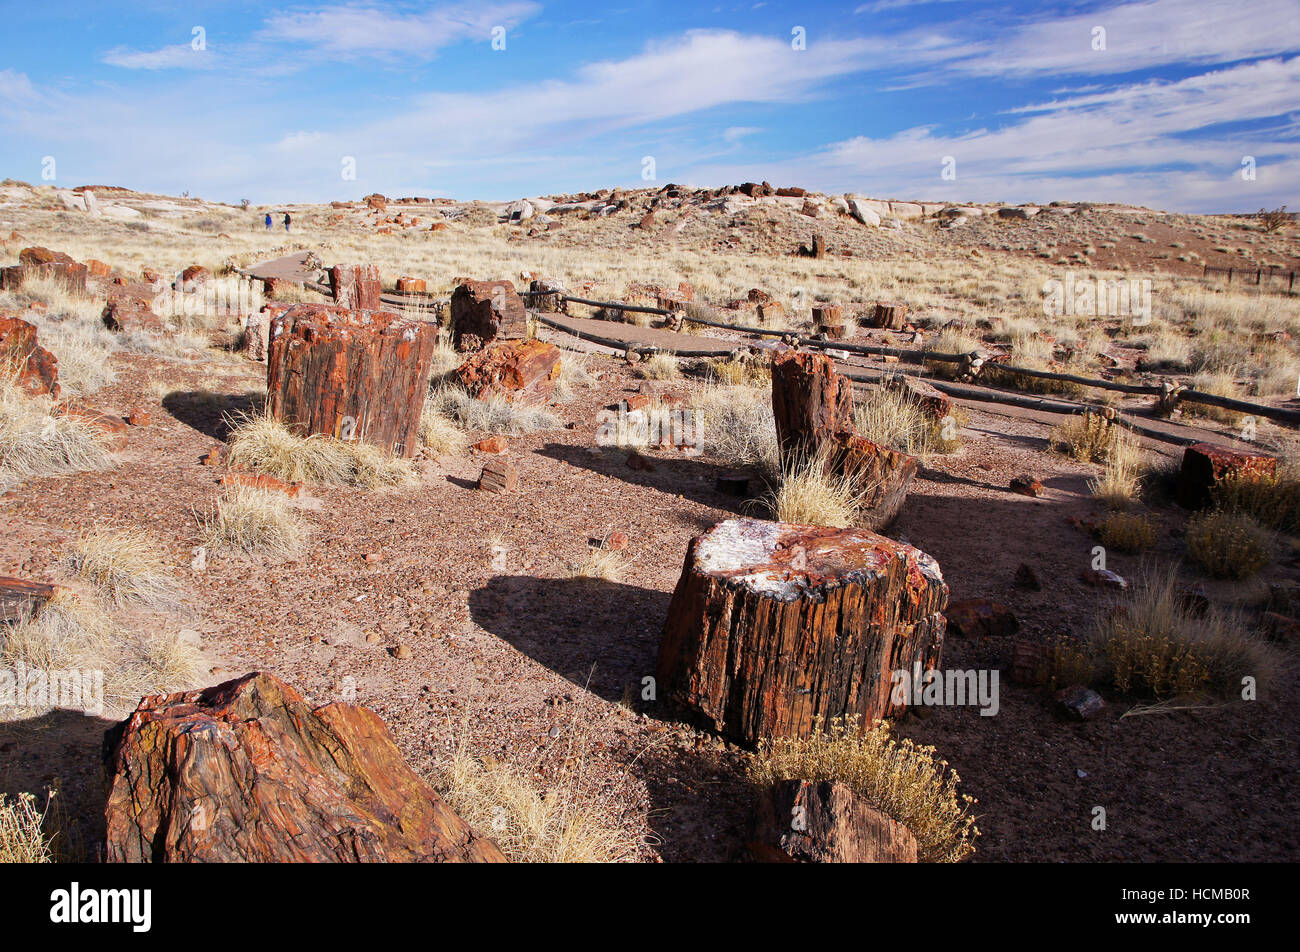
column 248, row 771
column 862, row 213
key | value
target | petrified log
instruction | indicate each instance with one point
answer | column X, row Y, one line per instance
column 22, row 598
column 1205, row 465
column 130, row 314
column 37, row 368
column 484, row 311
column 247, row 771
column 407, row 285
column 42, row 262
column 826, row 822
column 523, row 370
column 888, row 316
column 773, row 626
column 813, row 406
column 353, row 375
column 356, row 287
column 498, row 476
column 935, row 404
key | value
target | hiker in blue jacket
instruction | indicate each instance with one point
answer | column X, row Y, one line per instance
column 268, row 221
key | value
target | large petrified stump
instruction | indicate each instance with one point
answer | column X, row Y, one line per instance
column 823, row 822
column 356, row 286
column 247, row 771
column 353, row 375
column 773, row 626
column 1205, row 465
column 484, row 311
column 813, row 406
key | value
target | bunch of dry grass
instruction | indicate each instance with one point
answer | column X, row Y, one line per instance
column 125, row 569
column 1227, row 544
column 34, row 442
column 736, row 426
column 439, row 433
column 561, row 819
column 1273, row 501
column 1155, row 643
column 496, row 414
column 813, row 491
column 602, row 562
column 262, row 443
column 893, row 419
column 22, row 830
column 1120, row 481
column 573, row 375
column 255, row 520
column 659, row 367
column 950, row 341
column 1088, row 437
column 1127, row 532
column 902, row 779
column 741, row 373
column 71, row 635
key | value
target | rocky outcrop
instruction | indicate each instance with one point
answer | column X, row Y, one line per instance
column 248, row 771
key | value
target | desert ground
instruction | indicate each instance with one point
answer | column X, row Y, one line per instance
column 504, row 638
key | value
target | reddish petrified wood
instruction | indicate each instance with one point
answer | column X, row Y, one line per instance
column 113, row 429
column 484, row 311
column 826, row 822
column 888, row 316
column 42, row 262
column 774, row 625
column 127, row 313
column 247, row 771
column 407, row 285
column 356, row 287
column 813, row 406
column 38, row 369
column 935, row 404
column 22, row 598
column 1207, row 464
column 498, row 476
column 980, row 618
column 353, row 375
column 523, row 371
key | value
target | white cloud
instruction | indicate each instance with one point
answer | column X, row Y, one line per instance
column 180, row 56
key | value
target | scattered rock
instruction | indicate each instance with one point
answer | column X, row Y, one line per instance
column 1078, row 703
column 138, row 417
column 980, row 618
column 1027, row 578
column 837, row 826
column 498, row 476
column 1207, row 464
column 493, row 444
column 1027, row 486
column 38, row 369
column 21, row 598
column 519, row 370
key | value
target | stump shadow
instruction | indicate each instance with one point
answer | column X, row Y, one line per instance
column 210, row 413
column 603, row 636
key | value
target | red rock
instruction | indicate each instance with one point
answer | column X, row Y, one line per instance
column 498, row 476
column 257, row 481
column 638, row 462
column 131, row 314
column 97, row 268
column 437, row 226
column 38, row 369
column 616, row 541
column 214, row 457
column 377, row 202
column 1207, row 464
column 836, row 826
column 1027, row 578
column 1027, row 486
column 193, row 277
column 493, row 444
column 792, row 192
column 758, row 296
column 485, row 311
column 42, row 262
column 888, row 316
column 247, row 771
column 636, row 401
column 113, row 428
column 522, row 370
column 936, row 405
column 150, row 275
column 356, row 287
column 138, row 417
column 980, row 618
column 1029, row 661
column 407, row 285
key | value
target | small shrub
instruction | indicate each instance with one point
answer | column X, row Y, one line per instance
column 1273, row 501
column 737, row 427
column 892, row 419
column 742, row 373
column 493, row 415
column 439, row 434
column 1088, row 437
column 22, row 834
column 659, row 367
column 1227, row 544
column 1121, row 479
column 813, row 492
column 898, row 777
column 1127, row 532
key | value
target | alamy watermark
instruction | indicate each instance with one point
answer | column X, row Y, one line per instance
column 1098, row 297
column 45, row 688
column 935, row 688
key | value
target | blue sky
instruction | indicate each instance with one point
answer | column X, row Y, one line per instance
column 873, row 100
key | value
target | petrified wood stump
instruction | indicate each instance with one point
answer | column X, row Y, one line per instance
column 774, row 625
column 1205, row 465
column 356, row 286
column 353, row 375
column 825, row 822
column 813, row 406
column 484, row 311
column 889, row 316
column 247, row 771
column 36, row 368
column 22, row 598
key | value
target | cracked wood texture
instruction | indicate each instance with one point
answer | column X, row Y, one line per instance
column 825, row 822
column 247, row 771
column 813, row 407
column 774, row 625
column 353, row 375
column 356, row 286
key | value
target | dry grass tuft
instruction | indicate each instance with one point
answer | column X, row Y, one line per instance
column 1127, row 532
column 439, row 433
column 264, row 444
column 892, row 419
column 1154, row 644
column 22, row 834
column 659, row 367
column 71, row 635
column 125, row 569
column 812, row 492
column 1227, row 544
column 897, row 776
column 602, row 562
column 1273, row 501
column 741, row 373
column 573, row 375
column 1088, row 437
column 736, row 426
column 493, row 415
column 35, row 443
column 255, row 520
column 1121, row 480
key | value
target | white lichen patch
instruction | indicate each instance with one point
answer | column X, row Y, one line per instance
column 784, row 561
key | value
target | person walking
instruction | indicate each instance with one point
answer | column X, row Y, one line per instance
column 268, row 221
column 286, row 221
